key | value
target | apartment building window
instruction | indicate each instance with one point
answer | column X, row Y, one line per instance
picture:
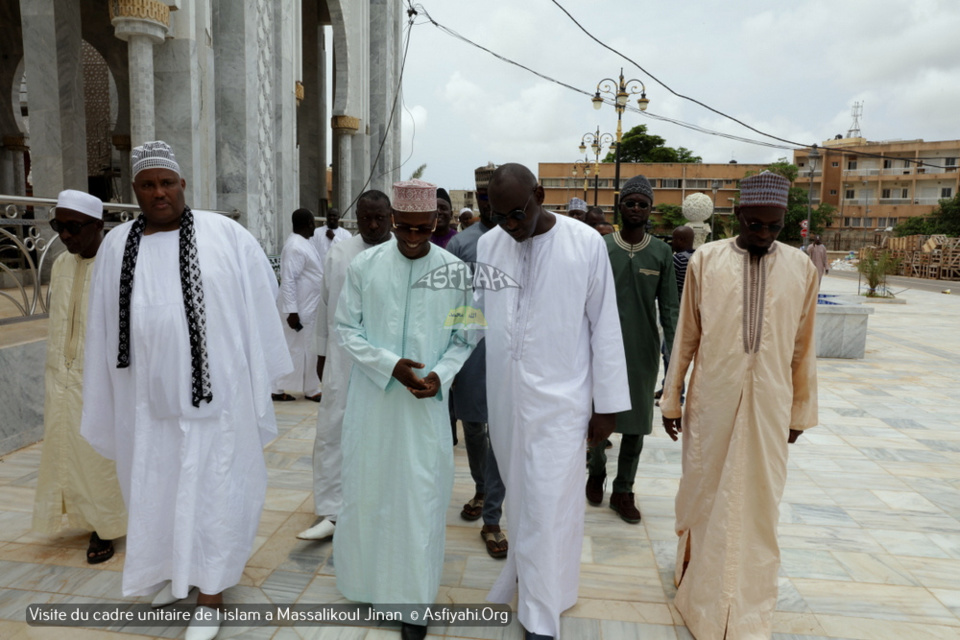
column 552, row 182
column 670, row 183
column 868, row 222
column 801, row 164
column 950, row 162
column 946, row 192
column 849, row 194
column 698, row 184
column 904, row 193
column 885, row 193
column 833, row 192
column 834, row 164
column 851, row 165
column 848, row 222
column 887, row 164
column 855, row 222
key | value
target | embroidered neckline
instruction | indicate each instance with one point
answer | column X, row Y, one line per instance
column 631, row 249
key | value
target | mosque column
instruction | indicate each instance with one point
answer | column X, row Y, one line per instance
column 54, row 75
column 142, row 24
column 122, row 144
column 13, row 180
column 344, row 128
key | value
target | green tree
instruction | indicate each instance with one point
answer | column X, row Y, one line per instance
column 671, row 216
column 944, row 220
column 639, row 146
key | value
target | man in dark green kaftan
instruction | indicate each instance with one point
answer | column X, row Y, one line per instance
column 646, row 288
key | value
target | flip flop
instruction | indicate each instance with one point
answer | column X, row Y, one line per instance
column 281, row 397
column 496, row 542
column 473, row 509
column 99, row 550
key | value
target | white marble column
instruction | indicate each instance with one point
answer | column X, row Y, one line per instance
column 142, row 24
column 54, row 76
column 344, row 128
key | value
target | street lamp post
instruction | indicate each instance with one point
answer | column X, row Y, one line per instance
column 582, row 166
column 621, row 91
column 812, row 161
column 596, row 141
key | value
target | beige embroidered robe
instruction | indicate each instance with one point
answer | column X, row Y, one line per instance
column 747, row 324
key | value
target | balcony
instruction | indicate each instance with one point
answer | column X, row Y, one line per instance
column 861, row 172
column 896, row 200
column 898, row 171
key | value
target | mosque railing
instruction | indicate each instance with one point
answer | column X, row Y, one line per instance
column 28, row 246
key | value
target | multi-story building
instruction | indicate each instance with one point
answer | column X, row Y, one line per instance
column 897, row 180
column 672, row 182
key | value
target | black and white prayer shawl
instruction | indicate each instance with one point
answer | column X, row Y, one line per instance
column 192, row 286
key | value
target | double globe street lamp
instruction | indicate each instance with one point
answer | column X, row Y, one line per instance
column 621, row 92
column 582, row 167
column 597, row 141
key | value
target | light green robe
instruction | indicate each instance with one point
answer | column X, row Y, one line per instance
column 397, row 450
column 646, row 289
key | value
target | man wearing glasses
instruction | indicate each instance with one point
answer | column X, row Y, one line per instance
column 397, row 322
column 646, row 291
column 556, row 377
column 747, row 320
column 74, row 479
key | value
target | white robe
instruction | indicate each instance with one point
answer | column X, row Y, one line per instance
column 553, row 347
column 194, row 479
column 301, row 276
column 336, row 377
column 322, row 243
column 397, row 449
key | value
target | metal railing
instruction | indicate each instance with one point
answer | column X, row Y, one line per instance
column 26, row 241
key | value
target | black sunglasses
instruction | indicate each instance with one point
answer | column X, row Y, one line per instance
column 635, row 204
column 518, row 214
column 757, row 227
column 73, row 228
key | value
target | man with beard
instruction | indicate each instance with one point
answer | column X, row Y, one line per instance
column 556, row 377
column 396, row 319
column 183, row 343
column 469, row 397
column 445, row 230
column 325, row 237
column 747, row 322
column 333, row 365
column 646, row 291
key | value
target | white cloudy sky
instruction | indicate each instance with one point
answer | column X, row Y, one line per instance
column 790, row 69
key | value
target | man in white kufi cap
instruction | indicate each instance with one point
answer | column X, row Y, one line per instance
column 182, row 349
column 397, row 473
column 747, row 323
column 74, row 480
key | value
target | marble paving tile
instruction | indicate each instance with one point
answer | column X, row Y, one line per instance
column 908, row 543
column 820, row 514
column 633, row 584
column 877, row 568
column 618, row 630
column 882, row 602
column 862, row 628
column 285, row 587
column 796, row 536
column 480, row 572
column 622, row 552
column 807, row 563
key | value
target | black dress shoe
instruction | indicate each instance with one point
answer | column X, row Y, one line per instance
column 413, row 631
column 529, row 635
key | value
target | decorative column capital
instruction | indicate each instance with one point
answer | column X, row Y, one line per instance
column 150, row 18
column 122, row 142
column 345, row 124
column 16, row 143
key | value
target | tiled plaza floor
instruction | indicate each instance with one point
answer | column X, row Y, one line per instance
column 869, row 526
